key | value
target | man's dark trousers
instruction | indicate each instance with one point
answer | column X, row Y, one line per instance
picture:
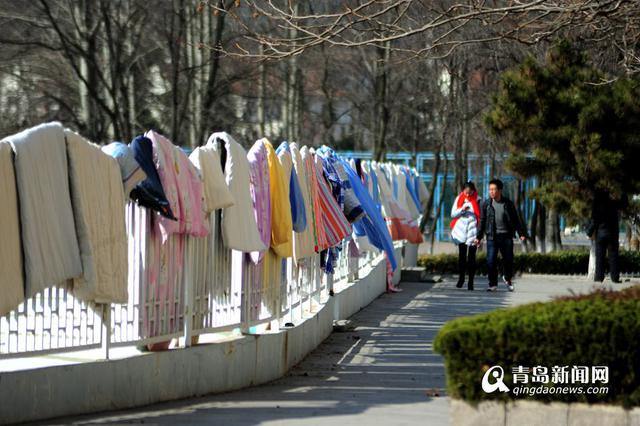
column 608, row 244
column 504, row 244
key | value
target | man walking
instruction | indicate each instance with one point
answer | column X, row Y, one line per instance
column 605, row 215
column 499, row 221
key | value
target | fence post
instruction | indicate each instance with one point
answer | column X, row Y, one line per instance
column 291, row 290
column 309, row 283
column 317, row 279
column 106, row 330
column 188, row 262
column 274, row 324
column 238, row 266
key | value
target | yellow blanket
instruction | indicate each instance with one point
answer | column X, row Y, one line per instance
column 281, row 223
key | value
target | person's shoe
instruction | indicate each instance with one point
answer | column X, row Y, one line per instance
column 470, row 285
column 460, row 283
column 508, row 283
column 492, row 288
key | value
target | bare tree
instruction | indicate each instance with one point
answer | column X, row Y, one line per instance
column 442, row 24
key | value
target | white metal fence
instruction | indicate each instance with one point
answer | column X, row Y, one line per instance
column 187, row 287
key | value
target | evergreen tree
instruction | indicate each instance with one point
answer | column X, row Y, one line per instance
column 567, row 126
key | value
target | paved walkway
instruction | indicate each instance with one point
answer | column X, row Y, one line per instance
column 382, row 372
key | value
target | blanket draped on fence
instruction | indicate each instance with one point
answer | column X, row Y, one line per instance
column 11, row 280
column 51, row 252
column 100, row 222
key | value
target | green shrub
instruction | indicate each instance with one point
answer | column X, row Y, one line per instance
column 600, row 329
column 568, row 262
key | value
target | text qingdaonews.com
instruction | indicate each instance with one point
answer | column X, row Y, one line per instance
column 528, row 390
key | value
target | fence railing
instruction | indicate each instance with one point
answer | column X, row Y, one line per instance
column 179, row 290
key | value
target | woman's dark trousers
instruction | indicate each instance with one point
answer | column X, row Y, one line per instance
column 466, row 264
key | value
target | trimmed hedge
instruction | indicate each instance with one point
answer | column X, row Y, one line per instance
column 599, row 329
column 567, row 262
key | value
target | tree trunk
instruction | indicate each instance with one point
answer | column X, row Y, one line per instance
column 284, row 112
column 462, row 126
column 558, row 232
column 328, row 110
column 518, row 202
column 426, row 214
column 191, row 64
column 381, row 110
column 542, row 229
column 262, row 94
column 176, row 56
column 443, row 188
column 291, row 98
column 214, row 68
column 591, row 271
column 299, row 104
column 83, row 93
column 551, row 230
column 534, row 226
column 466, row 125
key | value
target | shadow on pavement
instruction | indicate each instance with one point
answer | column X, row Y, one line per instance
column 382, row 371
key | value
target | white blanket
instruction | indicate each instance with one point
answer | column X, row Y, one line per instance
column 239, row 227
column 216, row 191
column 51, row 253
column 99, row 208
column 404, row 199
column 11, row 280
column 423, row 193
column 386, row 193
column 303, row 243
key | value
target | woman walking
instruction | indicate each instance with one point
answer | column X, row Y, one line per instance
column 465, row 215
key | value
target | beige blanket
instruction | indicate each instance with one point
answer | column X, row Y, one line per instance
column 99, row 209
column 50, row 245
column 11, row 280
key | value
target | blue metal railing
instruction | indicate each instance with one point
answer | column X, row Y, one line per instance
column 480, row 175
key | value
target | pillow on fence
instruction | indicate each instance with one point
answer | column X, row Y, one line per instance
column 131, row 172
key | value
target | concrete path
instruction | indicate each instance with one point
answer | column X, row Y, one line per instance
column 382, row 372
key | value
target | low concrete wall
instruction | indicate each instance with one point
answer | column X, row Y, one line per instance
column 532, row 413
column 410, row 258
column 360, row 293
column 148, row 378
column 397, row 274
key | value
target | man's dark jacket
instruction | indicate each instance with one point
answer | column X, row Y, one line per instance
column 605, row 215
column 488, row 220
